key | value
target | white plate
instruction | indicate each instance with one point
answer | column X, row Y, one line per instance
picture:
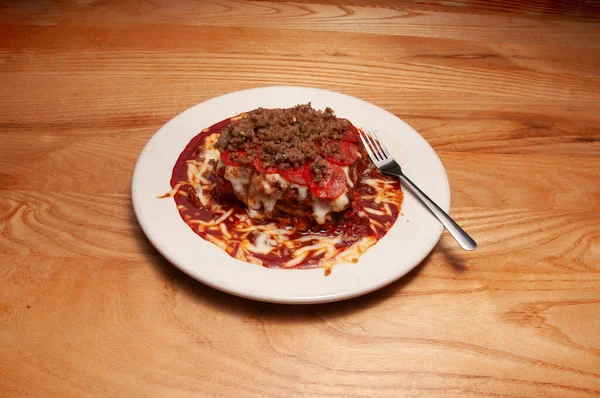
column 412, row 237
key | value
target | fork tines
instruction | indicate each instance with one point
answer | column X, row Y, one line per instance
column 372, row 143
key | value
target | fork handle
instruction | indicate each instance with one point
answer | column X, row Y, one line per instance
column 461, row 237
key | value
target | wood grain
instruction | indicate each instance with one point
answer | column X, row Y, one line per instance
column 507, row 93
column 312, row 16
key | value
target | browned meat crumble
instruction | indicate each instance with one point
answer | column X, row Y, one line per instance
column 319, row 169
column 285, row 138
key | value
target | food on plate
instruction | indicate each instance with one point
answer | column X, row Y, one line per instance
column 285, row 188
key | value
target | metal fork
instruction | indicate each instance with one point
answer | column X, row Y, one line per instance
column 384, row 161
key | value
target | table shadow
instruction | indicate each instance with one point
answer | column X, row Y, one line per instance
column 452, row 254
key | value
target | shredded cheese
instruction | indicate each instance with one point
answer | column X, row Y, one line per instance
column 259, row 193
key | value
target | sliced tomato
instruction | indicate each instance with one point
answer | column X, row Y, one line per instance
column 346, row 155
column 295, row 176
column 332, row 185
column 230, row 157
column 351, row 135
column 259, row 165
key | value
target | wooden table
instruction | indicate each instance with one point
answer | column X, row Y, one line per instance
column 507, row 94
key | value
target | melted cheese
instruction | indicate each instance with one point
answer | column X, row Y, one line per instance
column 262, row 191
column 264, row 244
column 302, row 191
column 200, row 194
column 239, row 177
column 197, row 168
column 321, row 208
column 348, row 179
column 259, row 191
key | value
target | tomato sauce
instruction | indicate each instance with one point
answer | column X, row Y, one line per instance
column 348, row 224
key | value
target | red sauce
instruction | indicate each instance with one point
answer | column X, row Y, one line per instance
column 347, row 223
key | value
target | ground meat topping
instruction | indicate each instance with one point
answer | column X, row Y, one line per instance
column 332, row 150
column 285, row 138
column 318, row 169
